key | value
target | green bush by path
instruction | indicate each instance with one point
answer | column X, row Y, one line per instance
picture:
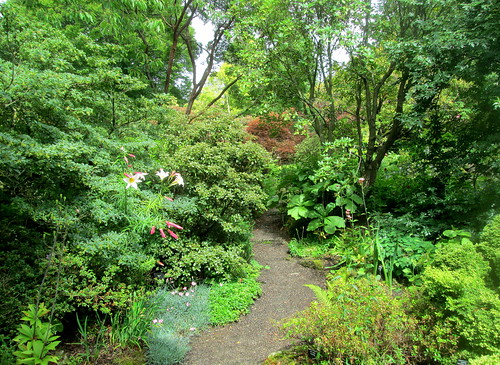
column 310, row 247
column 489, row 246
column 456, row 296
column 450, row 302
column 188, row 259
column 225, row 172
column 357, row 321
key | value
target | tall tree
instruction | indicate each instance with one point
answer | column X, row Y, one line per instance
column 403, row 54
column 177, row 19
column 288, row 50
column 221, row 21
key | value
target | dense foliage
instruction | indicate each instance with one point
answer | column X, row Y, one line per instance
column 450, row 312
column 358, row 321
column 79, row 238
column 121, row 182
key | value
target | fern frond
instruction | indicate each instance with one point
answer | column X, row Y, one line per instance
column 321, row 295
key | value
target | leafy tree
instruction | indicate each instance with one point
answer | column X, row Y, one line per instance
column 217, row 13
column 287, row 50
column 403, row 54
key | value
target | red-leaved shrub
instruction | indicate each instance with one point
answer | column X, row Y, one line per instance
column 275, row 133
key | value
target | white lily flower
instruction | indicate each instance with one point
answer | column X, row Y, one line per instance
column 132, row 180
column 178, row 180
column 162, row 174
column 141, row 175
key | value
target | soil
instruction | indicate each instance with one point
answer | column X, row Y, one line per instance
column 256, row 336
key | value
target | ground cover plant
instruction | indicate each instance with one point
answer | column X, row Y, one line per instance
column 230, row 300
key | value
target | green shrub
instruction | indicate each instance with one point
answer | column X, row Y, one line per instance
column 309, row 247
column 225, row 180
column 308, row 152
column 490, row 248
column 186, row 259
column 437, row 193
column 100, row 273
column 6, row 351
column 455, row 289
column 357, row 321
column 486, row 360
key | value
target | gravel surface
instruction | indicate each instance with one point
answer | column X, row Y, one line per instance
column 256, row 336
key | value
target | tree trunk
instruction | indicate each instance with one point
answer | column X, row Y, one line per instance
column 180, row 25
column 372, row 164
column 198, row 86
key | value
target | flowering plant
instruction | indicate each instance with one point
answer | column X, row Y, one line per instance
column 132, row 179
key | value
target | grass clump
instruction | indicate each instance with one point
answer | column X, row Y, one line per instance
column 181, row 313
column 230, row 300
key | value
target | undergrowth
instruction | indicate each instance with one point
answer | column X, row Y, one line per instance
column 308, row 248
column 187, row 311
column 230, row 300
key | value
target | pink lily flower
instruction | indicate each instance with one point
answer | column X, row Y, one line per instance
column 170, row 225
column 172, row 234
column 168, row 198
column 153, row 229
column 162, row 233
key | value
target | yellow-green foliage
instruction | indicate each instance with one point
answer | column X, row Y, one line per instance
column 456, row 290
column 490, row 248
column 486, row 360
column 357, row 321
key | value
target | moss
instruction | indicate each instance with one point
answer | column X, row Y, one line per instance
column 313, row 264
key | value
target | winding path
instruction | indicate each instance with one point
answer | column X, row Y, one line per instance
column 256, row 336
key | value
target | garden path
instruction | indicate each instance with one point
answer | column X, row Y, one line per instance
column 251, row 340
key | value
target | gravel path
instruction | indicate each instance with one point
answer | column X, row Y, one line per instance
column 255, row 336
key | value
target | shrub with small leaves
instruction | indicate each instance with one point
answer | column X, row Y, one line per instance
column 490, row 248
column 225, row 172
column 357, row 321
column 454, row 287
